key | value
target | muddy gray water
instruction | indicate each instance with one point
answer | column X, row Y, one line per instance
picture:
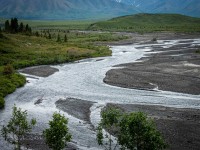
column 84, row 80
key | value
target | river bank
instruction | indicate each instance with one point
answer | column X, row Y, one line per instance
column 179, row 126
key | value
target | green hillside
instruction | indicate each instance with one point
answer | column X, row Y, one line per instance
column 150, row 23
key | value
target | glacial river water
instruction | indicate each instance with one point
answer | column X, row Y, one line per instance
column 84, row 80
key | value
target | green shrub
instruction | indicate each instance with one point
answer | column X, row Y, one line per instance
column 8, row 69
column 133, row 131
column 154, row 39
column 2, row 102
column 57, row 135
column 198, row 51
column 17, row 127
column 18, row 80
column 8, row 84
column 137, row 131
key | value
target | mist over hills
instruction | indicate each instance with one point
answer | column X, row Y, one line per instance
column 185, row 7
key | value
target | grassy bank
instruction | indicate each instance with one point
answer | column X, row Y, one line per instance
column 22, row 51
column 150, row 23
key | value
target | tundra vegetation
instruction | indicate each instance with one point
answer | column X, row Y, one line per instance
column 143, row 23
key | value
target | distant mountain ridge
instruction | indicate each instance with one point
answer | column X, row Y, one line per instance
column 93, row 9
column 185, row 7
column 63, row 9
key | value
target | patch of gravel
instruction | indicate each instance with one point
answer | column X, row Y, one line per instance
column 167, row 70
column 40, row 71
column 76, row 107
column 37, row 142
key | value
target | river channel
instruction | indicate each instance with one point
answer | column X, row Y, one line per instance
column 84, row 80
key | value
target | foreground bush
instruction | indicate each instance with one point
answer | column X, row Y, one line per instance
column 8, row 69
column 17, row 127
column 8, row 84
column 2, row 102
column 57, row 135
column 134, row 131
column 139, row 132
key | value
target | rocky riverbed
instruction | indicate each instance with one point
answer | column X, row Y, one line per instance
column 175, row 68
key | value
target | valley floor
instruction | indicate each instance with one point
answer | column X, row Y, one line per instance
column 173, row 69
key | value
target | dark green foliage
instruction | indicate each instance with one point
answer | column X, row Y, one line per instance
column 14, row 25
column 65, row 38
column 2, row 102
column 28, row 30
column 37, row 34
column 197, row 51
column 110, row 117
column 49, row 37
column 57, row 135
column 8, row 69
column 58, row 38
column 8, row 84
column 110, row 120
column 154, row 40
column 17, row 127
column 134, row 131
column 18, row 80
column 21, row 27
column 149, row 23
column 100, row 135
column 139, row 132
column 7, row 26
column 1, row 35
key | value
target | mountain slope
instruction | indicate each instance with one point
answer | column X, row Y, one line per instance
column 63, row 9
column 186, row 7
column 150, row 23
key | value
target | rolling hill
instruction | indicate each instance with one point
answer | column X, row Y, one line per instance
column 185, row 7
column 63, row 9
column 150, row 23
